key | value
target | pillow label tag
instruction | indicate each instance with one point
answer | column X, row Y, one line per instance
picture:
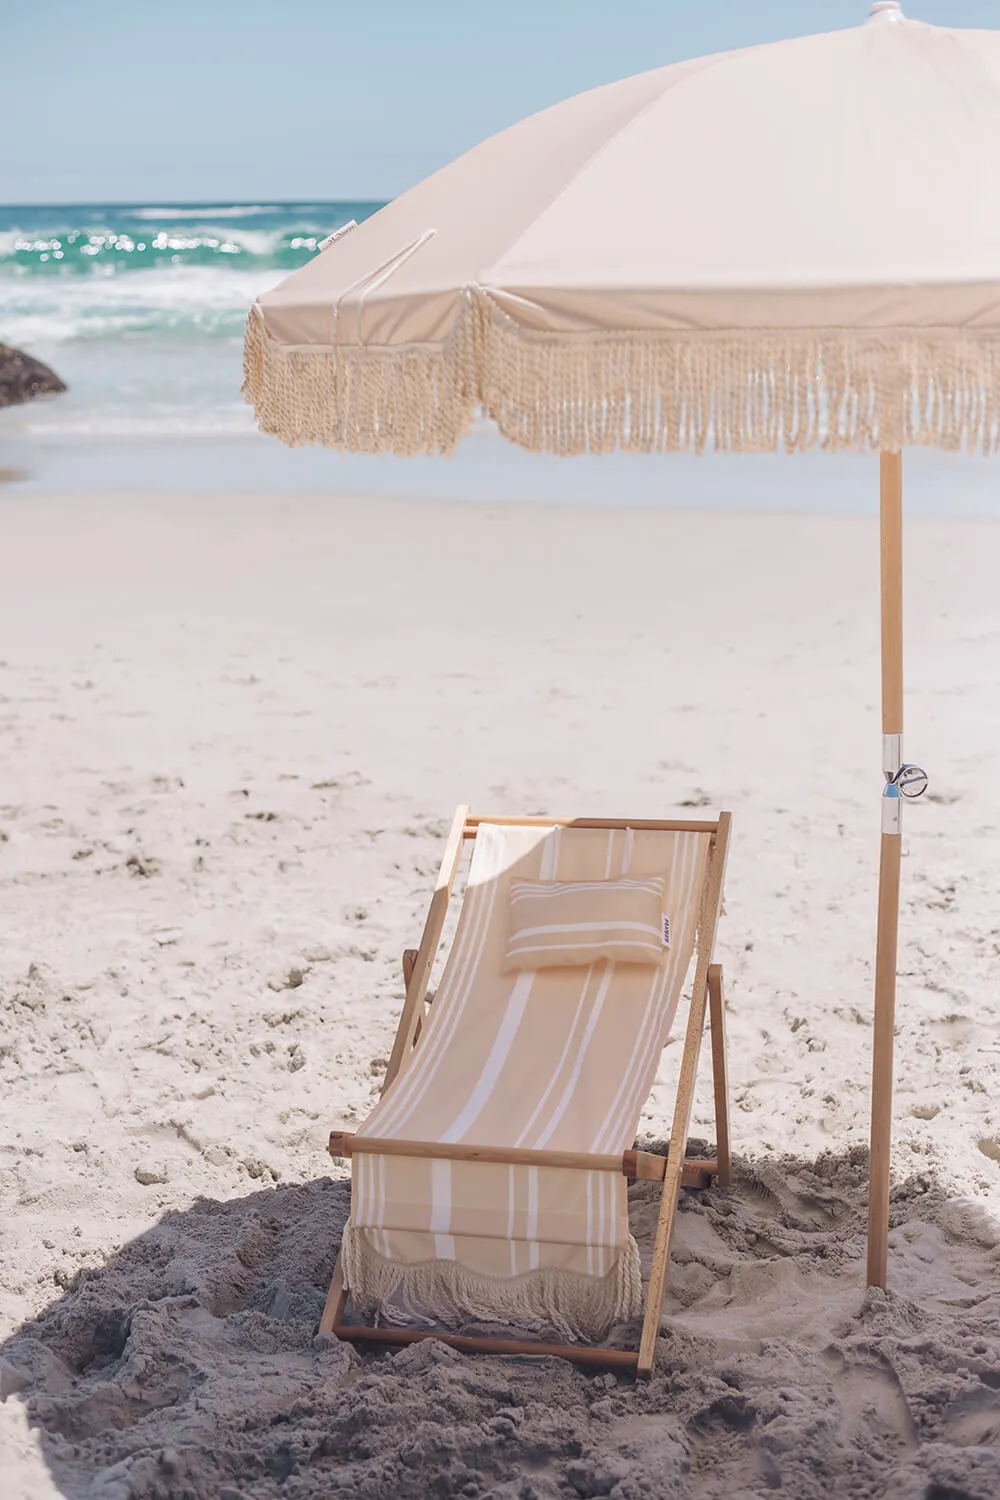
column 666, row 931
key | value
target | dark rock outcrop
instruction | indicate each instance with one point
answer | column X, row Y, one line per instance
column 22, row 378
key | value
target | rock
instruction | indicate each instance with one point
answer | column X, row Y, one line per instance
column 22, row 378
column 151, row 1173
column 292, row 980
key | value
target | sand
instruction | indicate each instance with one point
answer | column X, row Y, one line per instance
column 232, row 734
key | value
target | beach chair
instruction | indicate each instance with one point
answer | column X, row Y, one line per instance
column 489, row 1183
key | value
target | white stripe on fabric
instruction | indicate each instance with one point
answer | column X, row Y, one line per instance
column 610, row 1128
column 567, row 1094
column 412, row 1086
column 493, row 1066
column 567, row 1045
column 578, row 1014
column 444, row 1244
column 417, row 1079
column 531, row 1229
column 550, row 854
column 600, row 926
column 379, row 1162
column 384, row 1200
column 619, row 1112
column 409, row 1089
column 622, row 1109
column 358, row 1204
column 502, row 1043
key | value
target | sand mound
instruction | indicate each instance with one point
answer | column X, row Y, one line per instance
column 188, row 1366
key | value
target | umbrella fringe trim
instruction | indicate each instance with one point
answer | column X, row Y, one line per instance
column 361, row 400
column 758, row 391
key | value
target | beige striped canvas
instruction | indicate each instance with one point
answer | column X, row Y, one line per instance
column 559, row 922
column 559, row 1058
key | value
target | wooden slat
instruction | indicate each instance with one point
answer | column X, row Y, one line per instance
column 345, row 1143
column 582, row 1354
column 644, row 1166
column 409, row 960
column 654, row 825
column 882, row 1053
column 336, row 1299
column 720, row 1072
column 712, row 900
column 433, row 927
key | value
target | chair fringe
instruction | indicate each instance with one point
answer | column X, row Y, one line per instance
column 657, row 392
column 576, row 1307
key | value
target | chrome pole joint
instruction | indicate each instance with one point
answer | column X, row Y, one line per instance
column 902, row 779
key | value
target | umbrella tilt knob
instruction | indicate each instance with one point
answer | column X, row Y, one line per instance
column 911, row 781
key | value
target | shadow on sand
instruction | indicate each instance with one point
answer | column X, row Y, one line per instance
column 187, row 1367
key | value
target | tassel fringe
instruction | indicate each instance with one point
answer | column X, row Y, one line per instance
column 576, row 1307
column 407, row 401
column 641, row 392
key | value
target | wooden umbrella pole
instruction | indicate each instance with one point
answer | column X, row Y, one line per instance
column 888, row 885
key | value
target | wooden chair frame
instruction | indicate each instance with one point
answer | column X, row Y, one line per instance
column 674, row 1170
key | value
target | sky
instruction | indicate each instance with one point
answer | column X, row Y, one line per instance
column 137, row 101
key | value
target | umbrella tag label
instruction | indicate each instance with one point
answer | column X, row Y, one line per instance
column 666, row 931
column 338, row 234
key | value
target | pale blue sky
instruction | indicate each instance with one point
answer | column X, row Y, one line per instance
column 257, row 100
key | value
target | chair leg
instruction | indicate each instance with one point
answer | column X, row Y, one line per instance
column 720, row 1076
column 410, row 956
column 711, row 907
column 672, row 1178
column 336, row 1299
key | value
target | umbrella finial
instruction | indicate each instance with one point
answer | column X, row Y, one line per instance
column 886, row 10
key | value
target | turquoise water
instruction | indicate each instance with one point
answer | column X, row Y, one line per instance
column 97, row 272
column 140, row 309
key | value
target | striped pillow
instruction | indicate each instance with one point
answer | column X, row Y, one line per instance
column 559, row 923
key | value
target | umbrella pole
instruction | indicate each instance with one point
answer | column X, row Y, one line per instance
column 888, row 884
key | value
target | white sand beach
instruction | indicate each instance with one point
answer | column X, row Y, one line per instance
column 233, row 731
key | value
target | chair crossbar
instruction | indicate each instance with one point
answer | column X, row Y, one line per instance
column 641, row 1166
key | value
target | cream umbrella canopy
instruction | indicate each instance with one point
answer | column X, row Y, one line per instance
column 789, row 246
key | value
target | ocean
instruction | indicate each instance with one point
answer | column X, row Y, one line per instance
column 140, row 309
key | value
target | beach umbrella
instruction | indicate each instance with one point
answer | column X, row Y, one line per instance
column 790, row 246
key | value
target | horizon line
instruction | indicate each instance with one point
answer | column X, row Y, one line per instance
column 217, row 198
